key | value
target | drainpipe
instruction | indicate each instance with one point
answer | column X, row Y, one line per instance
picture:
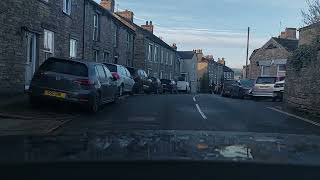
column 83, row 28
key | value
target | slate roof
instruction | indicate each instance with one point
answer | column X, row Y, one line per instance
column 289, row 44
column 186, row 54
column 227, row 69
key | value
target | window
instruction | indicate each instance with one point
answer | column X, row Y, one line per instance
column 96, row 27
column 171, row 59
column 281, row 71
column 167, row 58
column 265, row 70
column 155, row 75
column 155, row 54
column 170, row 76
column 150, row 52
column 100, row 72
column 148, row 72
column 67, row 6
column 162, row 57
column 115, row 35
column 128, row 41
column 65, row 67
column 49, row 41
column 95, row 55
column 73, row 48
column 108, row 73
column 161, row 74
column 106, row 57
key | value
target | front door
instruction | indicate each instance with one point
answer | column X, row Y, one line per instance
column 31, row 58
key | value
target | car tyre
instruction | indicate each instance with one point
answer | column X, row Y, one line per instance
column 94, row 106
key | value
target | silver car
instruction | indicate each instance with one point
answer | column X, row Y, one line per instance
column 264, row 87
column 125, row 81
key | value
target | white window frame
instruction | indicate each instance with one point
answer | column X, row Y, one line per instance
column 96, row 55
column 115, row 35
column 149, row 72
column 167, row 58
column 161, row 74
column 48, row 47
column 150, row 52
column 73, row 48
column 67, row 6
column 170, row 76
column 96, row 27
column 155, row 54
column 171, row 59
column 278, row 69
column 162, row 56
column 128, row 41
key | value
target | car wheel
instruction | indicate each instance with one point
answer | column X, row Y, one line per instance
column 121, row 90
column 94, row 107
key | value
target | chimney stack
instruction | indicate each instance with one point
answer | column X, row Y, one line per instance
column 289, row 33
column 148, row 26
column 128, row 15
column 108, row 4
column 174, row 46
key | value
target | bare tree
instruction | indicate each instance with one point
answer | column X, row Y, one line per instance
column 312, row 15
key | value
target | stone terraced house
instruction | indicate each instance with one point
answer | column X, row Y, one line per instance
column 33, row 30
column 271, row 58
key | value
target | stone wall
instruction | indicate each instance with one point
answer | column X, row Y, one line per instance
column 302, row 90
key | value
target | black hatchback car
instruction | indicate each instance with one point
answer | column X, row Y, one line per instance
column 86, row 83
column 140, row 77
column 169, row 86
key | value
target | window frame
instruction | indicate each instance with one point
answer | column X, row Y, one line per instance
column 96, row 28
column 73, row 47
column 67, row 7
column 96, row 55
column 150, row 52
column 45, row 40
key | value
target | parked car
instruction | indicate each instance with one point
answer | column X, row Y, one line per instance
column 125, row 82
column 155, row 86
column 169, row 86
column 183, row 85
column 278, row 90
column 264, row 87
column 141, row 80
column 85, row 83
column 227, row 87
column 242, row 88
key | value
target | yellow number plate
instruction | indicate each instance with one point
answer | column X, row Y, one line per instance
column 54, row 94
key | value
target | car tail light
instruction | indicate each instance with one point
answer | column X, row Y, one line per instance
column 116, row 75
column 84, row 82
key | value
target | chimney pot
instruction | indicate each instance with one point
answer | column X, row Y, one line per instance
column 108, row 4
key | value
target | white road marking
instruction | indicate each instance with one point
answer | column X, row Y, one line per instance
column 194, row 99
column 201, row 113
column 295, row 116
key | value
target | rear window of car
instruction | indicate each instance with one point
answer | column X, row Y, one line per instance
column 266, row 80
column 112, row 68
column 65, row 67
column 165, row 81
column 246, row 83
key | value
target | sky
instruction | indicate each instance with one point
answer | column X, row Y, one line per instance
column 218, row 27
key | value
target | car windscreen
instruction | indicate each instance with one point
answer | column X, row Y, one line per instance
column 246, row 83
column 112, row 68
column 266, row 80
column 65, row 67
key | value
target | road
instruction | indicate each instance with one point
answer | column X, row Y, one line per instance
column 204, row 112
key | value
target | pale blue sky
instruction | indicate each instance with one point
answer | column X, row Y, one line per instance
column 217, row 26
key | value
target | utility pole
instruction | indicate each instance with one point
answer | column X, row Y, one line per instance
column 247, row 59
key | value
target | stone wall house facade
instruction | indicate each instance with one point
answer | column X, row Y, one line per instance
column 271, row 58
column 215, row 72
column 188, row 67
column 151, row 53
column 228, row 73
column 33, row 30
column 302, row 84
